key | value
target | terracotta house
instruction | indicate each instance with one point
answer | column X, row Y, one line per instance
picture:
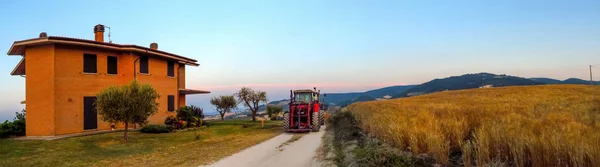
column 62, row 76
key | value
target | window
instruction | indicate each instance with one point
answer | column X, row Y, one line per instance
column 111, row 65
column 144, row 65
column 89, row 63
column 170, row 69
column 171, row 102
column 302, row 97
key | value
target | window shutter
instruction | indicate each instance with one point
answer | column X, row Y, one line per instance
column 111, row 65
column 170, row 69
column 144, row 65
column 89, row 63
column 171, row 105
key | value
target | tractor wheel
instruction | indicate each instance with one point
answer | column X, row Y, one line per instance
column 321, row 119
column 286, row 121
column 316, row 125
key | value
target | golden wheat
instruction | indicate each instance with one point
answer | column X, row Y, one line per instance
column 549, row 125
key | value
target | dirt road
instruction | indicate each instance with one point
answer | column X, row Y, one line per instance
column 276, row 152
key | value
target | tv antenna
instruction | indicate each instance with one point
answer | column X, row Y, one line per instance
column 109, row 41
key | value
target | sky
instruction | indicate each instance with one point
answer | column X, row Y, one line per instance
column 337, row 45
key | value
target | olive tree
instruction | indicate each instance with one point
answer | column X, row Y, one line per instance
column 251, row 98
column 273, row 111
column 224, row 104
column 127, row 104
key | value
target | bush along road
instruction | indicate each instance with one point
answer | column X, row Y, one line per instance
column 345, row 144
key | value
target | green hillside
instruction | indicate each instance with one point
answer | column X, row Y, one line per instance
column 467, row 81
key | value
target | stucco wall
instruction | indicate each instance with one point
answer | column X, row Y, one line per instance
column 39, row 90
column 71, row 85
column 181, row 74
column 56, row 86
column 163, row 84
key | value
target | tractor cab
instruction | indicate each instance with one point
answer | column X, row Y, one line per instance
column 304, row 113
column 304, row 97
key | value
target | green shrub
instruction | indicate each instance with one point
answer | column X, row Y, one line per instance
column 4, row 133
column 14, row 128
column 18, row 125
column 367, row 151
column 18, row 128
column 171, row 119
column 198, row 112
column 186, row 113
column 156, row 129
column 5, row 129
column 184, row 124
column 197, row 122
column 190, row 115
column 20, row 115
column 374, row 153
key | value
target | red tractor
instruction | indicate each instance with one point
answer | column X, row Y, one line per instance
column 304, row 114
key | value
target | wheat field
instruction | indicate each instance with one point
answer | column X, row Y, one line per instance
column 547, row 125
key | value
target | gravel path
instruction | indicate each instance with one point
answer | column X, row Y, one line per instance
column 275, row 153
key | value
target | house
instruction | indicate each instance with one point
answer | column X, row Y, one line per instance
column 62, row 76
column 415, row 94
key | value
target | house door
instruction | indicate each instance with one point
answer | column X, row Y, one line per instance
column 90, row 117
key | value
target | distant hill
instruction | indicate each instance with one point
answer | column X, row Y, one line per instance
column 467, row 81
column 567, row 81
column 337, row 98
column 344, row 98
column 546, row 80
column 280, row 102
column 358, row 99
column 388, row 91
column 578, row 81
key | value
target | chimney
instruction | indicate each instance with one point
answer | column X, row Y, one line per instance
column 154, row 46
column 99, row 33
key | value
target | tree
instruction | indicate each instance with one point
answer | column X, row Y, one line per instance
column 251, row 98
column 273, row 111
column 20, row 116
column 224, row 104
column 128, row 104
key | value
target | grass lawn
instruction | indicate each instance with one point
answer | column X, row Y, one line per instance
column 173, row 149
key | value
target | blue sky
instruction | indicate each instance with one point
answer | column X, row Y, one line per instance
column 338, row 46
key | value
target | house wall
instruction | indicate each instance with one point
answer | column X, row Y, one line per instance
column 181, row 74
column 163, row 84
column 71, row 85
column 39, row 90
column 62, row 74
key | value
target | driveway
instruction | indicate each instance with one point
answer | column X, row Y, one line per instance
column 275, row 152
